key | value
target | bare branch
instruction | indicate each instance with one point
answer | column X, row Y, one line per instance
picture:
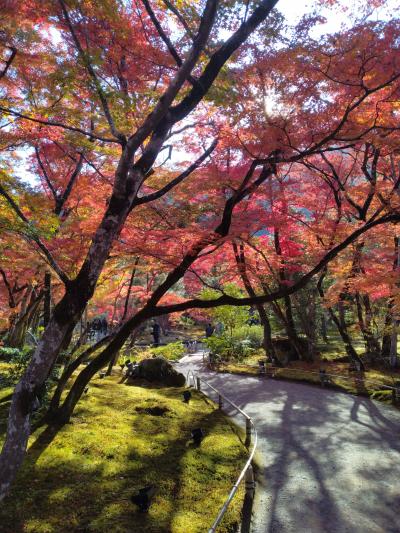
column 162, row 108
column 62, row 199
column 181, row 19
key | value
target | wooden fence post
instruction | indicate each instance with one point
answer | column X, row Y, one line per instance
column 248, row 432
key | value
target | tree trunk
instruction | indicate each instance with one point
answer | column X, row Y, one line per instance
column 341, row 327
column 47, row 299
column 395, row 322
column 289, row 320
column 353, row 355
column 371, row 344
column 125, row 314
column 387, row 330
column 67, row 373
column 65, row 315
column 342, row 315
column 17, row 334
column 324, row 333
column 393, row 345
column 267, row 337
column 129, row 177
column 64, row 413
column 346, row 339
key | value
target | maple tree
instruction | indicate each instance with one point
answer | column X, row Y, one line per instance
column 100, row 94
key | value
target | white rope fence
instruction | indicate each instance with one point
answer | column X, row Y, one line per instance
column 251, row 440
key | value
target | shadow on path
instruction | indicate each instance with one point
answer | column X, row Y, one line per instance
column 328, row 461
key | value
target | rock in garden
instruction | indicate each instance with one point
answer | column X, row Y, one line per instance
column 160, row 370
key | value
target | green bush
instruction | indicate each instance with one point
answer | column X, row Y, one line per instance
column 186, row 321
column 227, row 347
column 19, row 360
column 18, row 364
column 254, row 334
column 7, row 353
column 229, row 316
column 172, row 351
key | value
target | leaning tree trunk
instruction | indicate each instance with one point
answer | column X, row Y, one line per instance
column 125, row 314
column 64, row 317
column 47, row 299
column 63, row 414
column 67, row 373
column 353, row 355
column 341, row 327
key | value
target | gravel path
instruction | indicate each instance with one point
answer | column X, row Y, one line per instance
column 329, row 462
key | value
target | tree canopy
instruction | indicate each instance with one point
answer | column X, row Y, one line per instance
column 173, row 146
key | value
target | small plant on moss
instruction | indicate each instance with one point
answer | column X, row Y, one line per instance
column 7, row 353
column 19, row 360
column 172, row 351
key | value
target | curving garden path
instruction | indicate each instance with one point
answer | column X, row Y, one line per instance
column 329, row 462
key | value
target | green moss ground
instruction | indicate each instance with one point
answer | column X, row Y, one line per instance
column 368, row 383
column 81, row 478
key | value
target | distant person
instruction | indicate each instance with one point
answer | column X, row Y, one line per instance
column 156, row 333
column 209, row 330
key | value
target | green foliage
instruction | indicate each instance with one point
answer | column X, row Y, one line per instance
column 7, row 353
column 254, row 334
column 19, row 360
column 236, row 343
column 226, row 347
column 231, row 317
column 186, row 321
column 172, row 351
column 18, row 363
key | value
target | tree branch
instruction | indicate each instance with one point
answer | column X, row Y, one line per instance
column 57, row 125
column 162, row 107
column 173, row 183
column 61, row 200
column 46, row 176
column 284, row 291
column 8, row 61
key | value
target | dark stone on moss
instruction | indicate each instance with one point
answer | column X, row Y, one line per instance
column 160, row 370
